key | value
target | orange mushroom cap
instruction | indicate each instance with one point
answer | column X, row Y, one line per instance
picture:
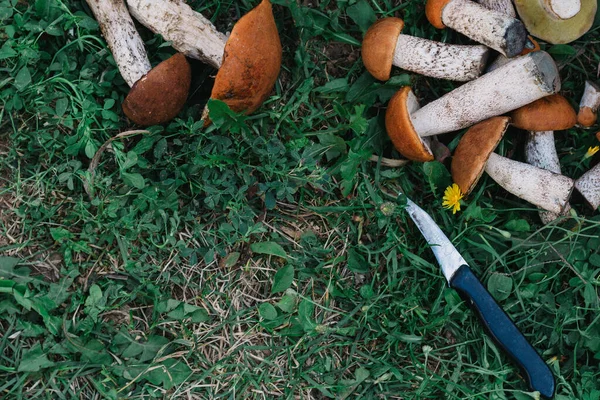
column 158, row 96
column 598, row 135
column 536, row 47
column 379, row 45
column 400, row 128
column 474, row 150
column 550, row 113
column 586, row 117
column 433, row 12
column 251, row 61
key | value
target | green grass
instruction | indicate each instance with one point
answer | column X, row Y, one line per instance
column 259, row 257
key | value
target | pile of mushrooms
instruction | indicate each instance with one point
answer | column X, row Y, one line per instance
column 519, row 88
column 248, row 60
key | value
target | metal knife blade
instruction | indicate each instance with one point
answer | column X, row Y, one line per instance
column 446, row 254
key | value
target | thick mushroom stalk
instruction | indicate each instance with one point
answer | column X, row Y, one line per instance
column 493, row 28
column 157, row 94
column 541, row 118
column 589, row 186
column 540, row 187
column 589, row 104
column 540, row 151
column 188, row 31
column 384, row 46
column 504, row 6
column 475, row 154
column 122, row 38
column 549, row 19
column 249, row 60
column 511, row 86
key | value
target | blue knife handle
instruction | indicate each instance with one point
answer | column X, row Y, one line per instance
column 503, row 330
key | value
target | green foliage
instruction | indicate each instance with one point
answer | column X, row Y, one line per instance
column 258, row 256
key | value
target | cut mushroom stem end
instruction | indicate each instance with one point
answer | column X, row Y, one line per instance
column 492, row 28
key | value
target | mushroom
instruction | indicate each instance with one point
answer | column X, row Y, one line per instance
column 589, row 104
column 475, row 154
column 493, row 28
column 589, row 186
column 188, row 31
column 511, row 86
column 157, row 94
column 249, row 60
column 384, row 46
column 531, row 46
column 541, row 118
column 504, row 6
column 557, row 21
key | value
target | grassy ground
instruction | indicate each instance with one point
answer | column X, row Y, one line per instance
column 259, row 257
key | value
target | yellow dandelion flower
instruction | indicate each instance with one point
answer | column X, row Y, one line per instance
column 591, row 151
column 452, row 196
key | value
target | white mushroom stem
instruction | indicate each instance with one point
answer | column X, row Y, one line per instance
column 538, row 186
column 562, row 9
column 504, row 6
column 590, row 101
column 589, row 186
column 509, row 87
column 440, row 60
column 122, row 38
column 189, row 32
column 501, row 32
column 540, row 151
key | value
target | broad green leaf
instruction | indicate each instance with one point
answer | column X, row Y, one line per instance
column 306, row 313
column 34, row 359
column 172, row 372
column 283, row 279
column 270, row 248
column 23, row 78
column 6, row 51
column 500, row 286
column 230, row 259
column 95, row 302
column 61, row 106
column 362, row 14
column 267, row 311
column 356, row 262
column 133, row 179
column 287, row 302
column 438, row 177
column 7, row 266
column 146, row 351
column 518, row 225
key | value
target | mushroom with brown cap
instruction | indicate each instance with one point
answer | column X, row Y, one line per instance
column 541, row 118
column 511, row 86
column 495, row 29
column 589, row 104
column 589, row 186
column 475, row 154
column 157, row 94
column 384, row 45
column 249, row 60
column 557, row 21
